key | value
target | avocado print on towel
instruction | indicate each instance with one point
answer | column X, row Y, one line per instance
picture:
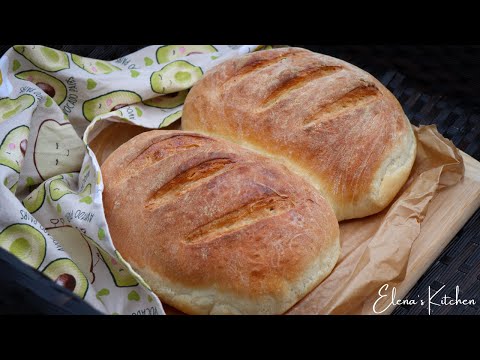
column 94, row 66
column 120, row 275
column 49, row 169
column 58, row 149
column 171, row 118
column 25, row 242
column 59, row 188
column 12, row 107
column 13, row 148
column 109, row 102
column 11, row 182
column 76, row 245
column 49, row 84
column 176, row 76
column 168, row 53
column 43, row 57
column 35, row 199
column 65, row 273
column 5, row 85
column 168, row 101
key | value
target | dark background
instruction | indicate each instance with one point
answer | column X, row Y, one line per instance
column 446, row 70
column 435, row 85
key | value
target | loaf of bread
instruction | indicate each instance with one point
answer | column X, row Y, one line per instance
column 110, row 138
column 215, row 228
column 116, row 134
column 325, row 119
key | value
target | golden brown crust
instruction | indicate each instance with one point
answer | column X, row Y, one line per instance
column 116, row 134
column 215, row 228
column 328, row 120
column 110, row 138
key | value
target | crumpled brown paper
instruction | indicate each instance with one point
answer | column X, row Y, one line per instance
column 375, row 250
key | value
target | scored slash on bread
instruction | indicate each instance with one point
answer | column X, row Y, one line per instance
column 325, row 119
column 215, row 228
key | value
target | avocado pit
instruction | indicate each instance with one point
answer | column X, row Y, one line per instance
column 67, row 281
column 48, row 89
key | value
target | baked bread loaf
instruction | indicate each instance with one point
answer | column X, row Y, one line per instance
column 116, row 134
column 325, row 119
column 215, row 228
column 110, row 138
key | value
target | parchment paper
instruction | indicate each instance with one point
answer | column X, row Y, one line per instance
column 375, row 250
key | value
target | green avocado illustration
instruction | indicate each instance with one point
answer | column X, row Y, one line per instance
column 171, row 118
column 176, row 76
column 135, row 275
column 11, row 182
column 58, row 149
column 91, row 84
column 35, row 200
column 12, row 107
column 30, row 184
column 45, row 58
column 16, row 65
column 25, row 242
column 13, row 148
column 94, row 66
column 109, row 102
column 172, row 52
column 167, row 101
column 50, row 85
column 121, row 276
column 13, row 189
column 59, row 188
column 76, row 246
column 65, row 273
